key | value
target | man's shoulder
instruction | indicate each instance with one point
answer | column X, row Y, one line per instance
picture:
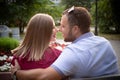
column 87, row 43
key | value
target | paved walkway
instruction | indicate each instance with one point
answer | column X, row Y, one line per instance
column 116, row 46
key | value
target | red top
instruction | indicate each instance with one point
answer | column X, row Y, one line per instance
column 49, row 57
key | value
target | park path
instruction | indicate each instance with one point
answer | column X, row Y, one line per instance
column 116, row 46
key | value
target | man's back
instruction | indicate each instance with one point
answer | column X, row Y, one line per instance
column 88, row 56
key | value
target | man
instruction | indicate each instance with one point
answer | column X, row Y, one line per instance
column 87, row 56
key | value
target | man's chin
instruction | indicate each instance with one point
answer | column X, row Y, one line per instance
column 66, row 40
column 69, row 39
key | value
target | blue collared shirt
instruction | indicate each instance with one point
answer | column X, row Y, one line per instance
column 87, row 56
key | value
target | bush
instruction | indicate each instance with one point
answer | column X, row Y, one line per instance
column 7, row 44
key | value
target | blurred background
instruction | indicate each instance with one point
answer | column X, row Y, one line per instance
column 15, row 14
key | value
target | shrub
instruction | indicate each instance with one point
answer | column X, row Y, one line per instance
column 7, row 44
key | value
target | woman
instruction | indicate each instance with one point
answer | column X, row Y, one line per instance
column 34, row 51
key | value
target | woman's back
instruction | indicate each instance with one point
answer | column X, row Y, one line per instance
column 50, row 55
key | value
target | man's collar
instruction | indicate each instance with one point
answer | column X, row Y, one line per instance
column 85, row 35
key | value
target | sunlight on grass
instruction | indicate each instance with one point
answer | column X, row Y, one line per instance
column 59, row 35
column 111, row 36
column 107, row 36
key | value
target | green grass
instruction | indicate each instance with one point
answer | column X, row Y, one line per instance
column 111, row 36
column 107, row 36
column 59, row 35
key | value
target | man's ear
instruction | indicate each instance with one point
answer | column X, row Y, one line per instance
column 76, row 29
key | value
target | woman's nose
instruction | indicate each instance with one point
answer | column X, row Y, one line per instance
column 56, row 29
column 59, row 28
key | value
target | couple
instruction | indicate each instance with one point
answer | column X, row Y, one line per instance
column 86, row 56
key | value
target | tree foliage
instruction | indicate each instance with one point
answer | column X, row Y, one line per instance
column 108, row 16
column 18, row 12
column 84, row 3
column 115, row 4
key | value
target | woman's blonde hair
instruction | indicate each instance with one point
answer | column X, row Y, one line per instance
column 37, row 37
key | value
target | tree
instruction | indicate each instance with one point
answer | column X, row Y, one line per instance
column 108, row 16
column 105, row 21
column 18, row 13
column 84, row 3
column 115, row 4
column 26, row 9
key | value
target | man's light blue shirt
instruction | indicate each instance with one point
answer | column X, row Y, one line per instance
column 87, row 56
